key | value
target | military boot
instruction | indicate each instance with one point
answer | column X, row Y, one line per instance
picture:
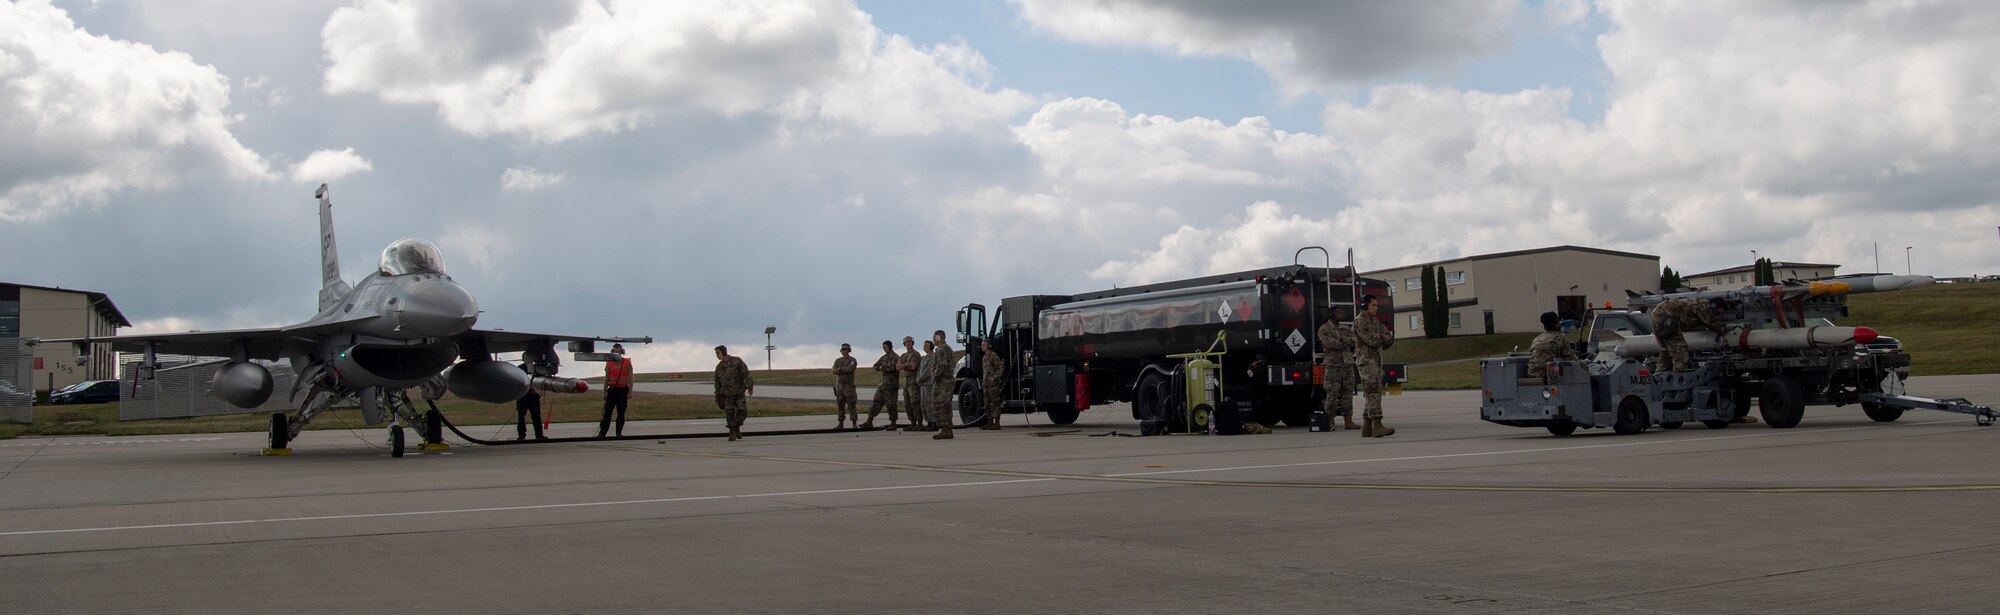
column 1347, row 423
column 735, row 433
column 944, row 433
column 1367, row 428
column 868, row 424
column 1381, row 431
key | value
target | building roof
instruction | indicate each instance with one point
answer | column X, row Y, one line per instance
column 1482, row 257
column 100, row 300
column 1749, row 267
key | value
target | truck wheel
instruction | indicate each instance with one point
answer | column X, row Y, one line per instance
column 1562, row 429
column 1060, row 414
column 1670, row 425
column 1718, row 424
column 1632, row 417
column 971, row 409
column 1782, row 402
column 1881, row 413
column 1149, row 401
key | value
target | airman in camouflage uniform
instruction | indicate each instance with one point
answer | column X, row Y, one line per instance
column 994, row 367
column 908, row 364
column 1337, row 345
column 941, row 379
column 733, row 388
column 843, row 387
column 885, row 392
column 1549, row 347
column 1674, row 317
column 1371, row 337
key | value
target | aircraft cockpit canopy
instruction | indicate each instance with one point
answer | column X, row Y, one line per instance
column 407, row 256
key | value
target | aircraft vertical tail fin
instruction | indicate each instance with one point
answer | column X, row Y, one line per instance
column 332, row 288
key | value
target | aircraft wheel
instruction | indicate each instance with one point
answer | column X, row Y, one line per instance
column 1670, row 424
column 1782, row 402
column 1716, row 424
column 1632, row 417
column 281, row 431
column 1562, row 429
column 433, row 427
column 395, row 440
column 1881, row 413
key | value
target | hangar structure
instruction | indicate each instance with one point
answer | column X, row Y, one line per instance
column 1507, row 292
column 29, row 311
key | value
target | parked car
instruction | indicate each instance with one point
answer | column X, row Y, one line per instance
column 87, row 392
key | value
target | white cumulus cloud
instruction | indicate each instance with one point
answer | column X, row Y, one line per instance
column 1849, row 124
column 329, row 165
column 85, row 117
column 556, row 70
column 1302, row 43
column 527, row 178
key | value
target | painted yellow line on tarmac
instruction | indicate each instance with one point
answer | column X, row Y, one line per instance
column 1350, row 486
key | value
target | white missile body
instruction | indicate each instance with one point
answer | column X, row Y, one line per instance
column 1754, row 339
column 558, row 384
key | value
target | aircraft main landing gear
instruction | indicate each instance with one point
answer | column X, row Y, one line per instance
column 280, row 440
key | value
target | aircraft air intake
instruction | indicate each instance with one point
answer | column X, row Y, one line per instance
column 390, row 366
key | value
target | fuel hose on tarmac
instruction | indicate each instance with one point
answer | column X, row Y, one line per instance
column 678, row 436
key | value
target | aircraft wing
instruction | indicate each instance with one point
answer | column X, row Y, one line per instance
column 267, row 344
column 501, row 340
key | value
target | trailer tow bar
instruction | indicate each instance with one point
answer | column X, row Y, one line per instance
column 1981, row 414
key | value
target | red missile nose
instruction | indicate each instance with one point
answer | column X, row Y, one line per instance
column 584, row 387
column 1863, row 335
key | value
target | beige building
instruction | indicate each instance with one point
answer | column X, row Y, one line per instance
column 1507, row 292
column 44, row 312
column 1746, row 275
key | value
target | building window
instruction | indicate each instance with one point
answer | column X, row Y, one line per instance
column 1454, row 320
column 1413, row 283
column 10, row 319
column 1454, row 277
column 1416, row 322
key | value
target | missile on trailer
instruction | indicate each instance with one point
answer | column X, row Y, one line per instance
column 1886, row 283
column 558, row 384
column 1759, row 295
column 1754, row 339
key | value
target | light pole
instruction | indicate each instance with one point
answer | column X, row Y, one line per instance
column 1907, row 269
column 768, row 347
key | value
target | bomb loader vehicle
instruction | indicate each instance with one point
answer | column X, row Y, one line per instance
column 1779, row 353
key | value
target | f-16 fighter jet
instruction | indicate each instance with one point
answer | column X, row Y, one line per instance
column 401, row 326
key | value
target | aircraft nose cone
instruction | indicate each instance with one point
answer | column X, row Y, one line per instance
column 438, row 308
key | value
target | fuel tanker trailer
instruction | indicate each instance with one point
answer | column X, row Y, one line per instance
column 1066, row 353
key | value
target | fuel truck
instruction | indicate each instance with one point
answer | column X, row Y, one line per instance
column 1779, row 353
column 1066, row 353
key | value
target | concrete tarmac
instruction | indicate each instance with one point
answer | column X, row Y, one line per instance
column 1450, row 515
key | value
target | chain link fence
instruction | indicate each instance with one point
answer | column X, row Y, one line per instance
column 17, row 392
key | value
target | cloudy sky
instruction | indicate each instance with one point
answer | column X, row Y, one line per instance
column 852, row 170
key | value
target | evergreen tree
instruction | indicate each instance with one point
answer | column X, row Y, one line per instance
column 1443, row 305
column 1766, row 273
column 1670, row 280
